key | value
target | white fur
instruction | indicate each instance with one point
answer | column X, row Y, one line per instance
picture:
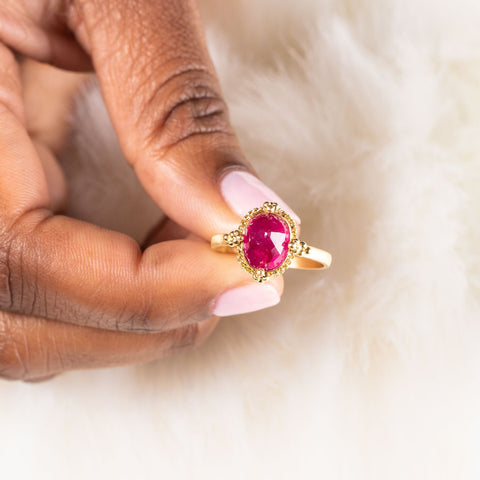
column 365, row 117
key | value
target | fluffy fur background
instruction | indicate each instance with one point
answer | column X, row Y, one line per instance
column 365, row 116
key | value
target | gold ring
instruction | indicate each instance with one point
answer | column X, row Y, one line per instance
column 266, row 244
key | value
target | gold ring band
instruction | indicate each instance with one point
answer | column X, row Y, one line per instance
column 253, row 244
column 312, row 258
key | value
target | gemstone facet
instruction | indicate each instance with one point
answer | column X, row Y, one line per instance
column 266, row 240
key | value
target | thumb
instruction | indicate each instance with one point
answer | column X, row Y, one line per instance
column 166, row 105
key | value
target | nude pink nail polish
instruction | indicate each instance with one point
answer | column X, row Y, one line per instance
column 243, row 191
column 244, row 299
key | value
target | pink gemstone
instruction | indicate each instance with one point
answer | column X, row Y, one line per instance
column 266, row 239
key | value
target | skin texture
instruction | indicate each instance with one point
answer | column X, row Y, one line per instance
column 73, row 295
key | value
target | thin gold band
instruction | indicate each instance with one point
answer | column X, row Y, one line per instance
column 310, row 258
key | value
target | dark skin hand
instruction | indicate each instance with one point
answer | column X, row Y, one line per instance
column 73, row 295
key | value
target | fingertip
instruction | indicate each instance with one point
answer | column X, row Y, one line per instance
column 246, row 298
column 243, row 191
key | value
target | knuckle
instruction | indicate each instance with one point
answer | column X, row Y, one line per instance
column 198, row 110
column 186, row 105
column 11, row 266
column 6, row 295
column 20, row 290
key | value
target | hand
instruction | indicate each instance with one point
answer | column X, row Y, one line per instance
column 73, row 295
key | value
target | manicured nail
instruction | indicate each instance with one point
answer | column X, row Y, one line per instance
column 244, row 299
column 243, row 191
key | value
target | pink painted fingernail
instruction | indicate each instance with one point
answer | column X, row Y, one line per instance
column 243, row 191
column 244, row 299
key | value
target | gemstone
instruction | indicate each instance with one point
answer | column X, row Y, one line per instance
column 266, row 239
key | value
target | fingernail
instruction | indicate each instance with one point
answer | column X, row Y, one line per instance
column 244, row 299
column 243, row 191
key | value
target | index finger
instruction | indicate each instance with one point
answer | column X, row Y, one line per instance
column 165, row 101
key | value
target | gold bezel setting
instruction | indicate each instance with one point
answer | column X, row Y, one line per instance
column 295, row 247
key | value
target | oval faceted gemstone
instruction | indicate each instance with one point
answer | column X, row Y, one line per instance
column 266, row 239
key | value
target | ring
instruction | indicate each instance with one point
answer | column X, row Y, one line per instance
column 266, row 244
